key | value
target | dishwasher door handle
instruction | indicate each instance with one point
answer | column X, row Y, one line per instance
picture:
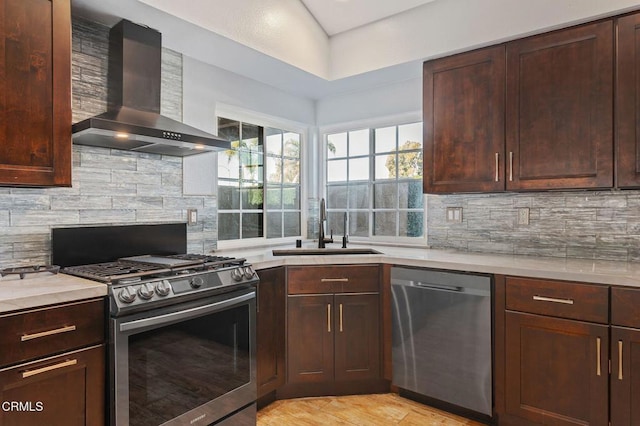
column 456, row 289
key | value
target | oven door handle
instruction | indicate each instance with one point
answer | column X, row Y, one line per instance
column 185, row 314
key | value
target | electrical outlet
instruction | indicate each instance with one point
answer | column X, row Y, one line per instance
column 454, row 214
column 523, row 216
column 192, row 216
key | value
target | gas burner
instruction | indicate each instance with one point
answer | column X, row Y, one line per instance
column 24, row 270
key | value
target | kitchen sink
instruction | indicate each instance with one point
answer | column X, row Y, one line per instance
column 323, row 251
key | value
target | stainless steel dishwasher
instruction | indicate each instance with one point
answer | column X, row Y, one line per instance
column 442, row 336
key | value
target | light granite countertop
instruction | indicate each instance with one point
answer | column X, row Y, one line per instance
column 44, row 288
column 582, row 270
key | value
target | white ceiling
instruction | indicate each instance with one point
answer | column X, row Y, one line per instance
column 336, row 16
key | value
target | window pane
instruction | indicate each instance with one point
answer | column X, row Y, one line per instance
column 337, row 145
column 359, row 169
column 385, row 195
column 337, row 197
column 359, row 196
column 252, row 166
column 228, row 129
column 252, row 225
column 335, row 222
column 410, row 195
column 291, row 145
column 274, row 169
column 291, row 171
column 359, row 224
column 291, row 224
column 385, row 139
column 274, row 225
column 273, row 141
column 410, row 136
column 228, row 164
column 228, row 226
column 384, row 223
column 252, row 198
column 228, row 195
column 359, row 142
column 410, row 165
column 337, row 170
column 411, row 224
column 385, row 166
column 274, row 197
column 291, row 197
column 251, row 137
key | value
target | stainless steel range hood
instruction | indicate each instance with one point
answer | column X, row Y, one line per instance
column 133, row 121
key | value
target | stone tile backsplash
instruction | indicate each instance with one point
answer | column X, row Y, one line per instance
column 601, row 225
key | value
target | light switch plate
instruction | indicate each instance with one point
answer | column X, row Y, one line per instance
column 454, row 214
column 192, row 216
column 523, row 216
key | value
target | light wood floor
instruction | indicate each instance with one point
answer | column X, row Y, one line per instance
column 359, row 410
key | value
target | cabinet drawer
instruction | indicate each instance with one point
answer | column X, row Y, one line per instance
column 586, row 302
column 624, row 306
column 46, row 331
column 333, row 279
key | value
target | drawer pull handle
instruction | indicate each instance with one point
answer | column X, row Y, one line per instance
column 27, row 337
column 598, row 369
column 341, row 318
column 329, row 317
column 30, row 373
column 619, row 359
column 553, row 299
column 497, row 167
column 334, row 280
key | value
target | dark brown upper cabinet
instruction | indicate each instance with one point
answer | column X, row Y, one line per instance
column 628, row 102
column 559, row 115
column 35, row 81
column 463, row 119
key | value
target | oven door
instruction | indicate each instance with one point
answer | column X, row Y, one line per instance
column 186, row 364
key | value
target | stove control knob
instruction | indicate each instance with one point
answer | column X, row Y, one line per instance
column 196, row 282
column 146, row 291
column 237, row 274
column 163, row 288
column 127, row 294
column 248, row 272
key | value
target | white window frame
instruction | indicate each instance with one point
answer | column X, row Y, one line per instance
column 251, row 117
column 395, row 120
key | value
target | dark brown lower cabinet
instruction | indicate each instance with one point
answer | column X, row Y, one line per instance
column 625, row 376
column 333, row 340
column 65, row 390
column 557, row 371
column 270, row 330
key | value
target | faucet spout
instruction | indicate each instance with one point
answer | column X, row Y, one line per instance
column 322, row 240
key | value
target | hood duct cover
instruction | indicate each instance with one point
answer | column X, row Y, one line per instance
column 133, row 121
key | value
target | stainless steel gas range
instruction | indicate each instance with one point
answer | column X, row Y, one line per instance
column 181, row 332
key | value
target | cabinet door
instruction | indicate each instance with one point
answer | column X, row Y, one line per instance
column 270, row 326
column 464, row 122
column 66, row 390
column 357, row 337
column 310, row 330
column 35, row 81
column 556, row 370
column 628, row 102
column 625, row 376
column 559, row 125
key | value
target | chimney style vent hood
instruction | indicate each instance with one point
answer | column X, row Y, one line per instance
column 133, row 121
